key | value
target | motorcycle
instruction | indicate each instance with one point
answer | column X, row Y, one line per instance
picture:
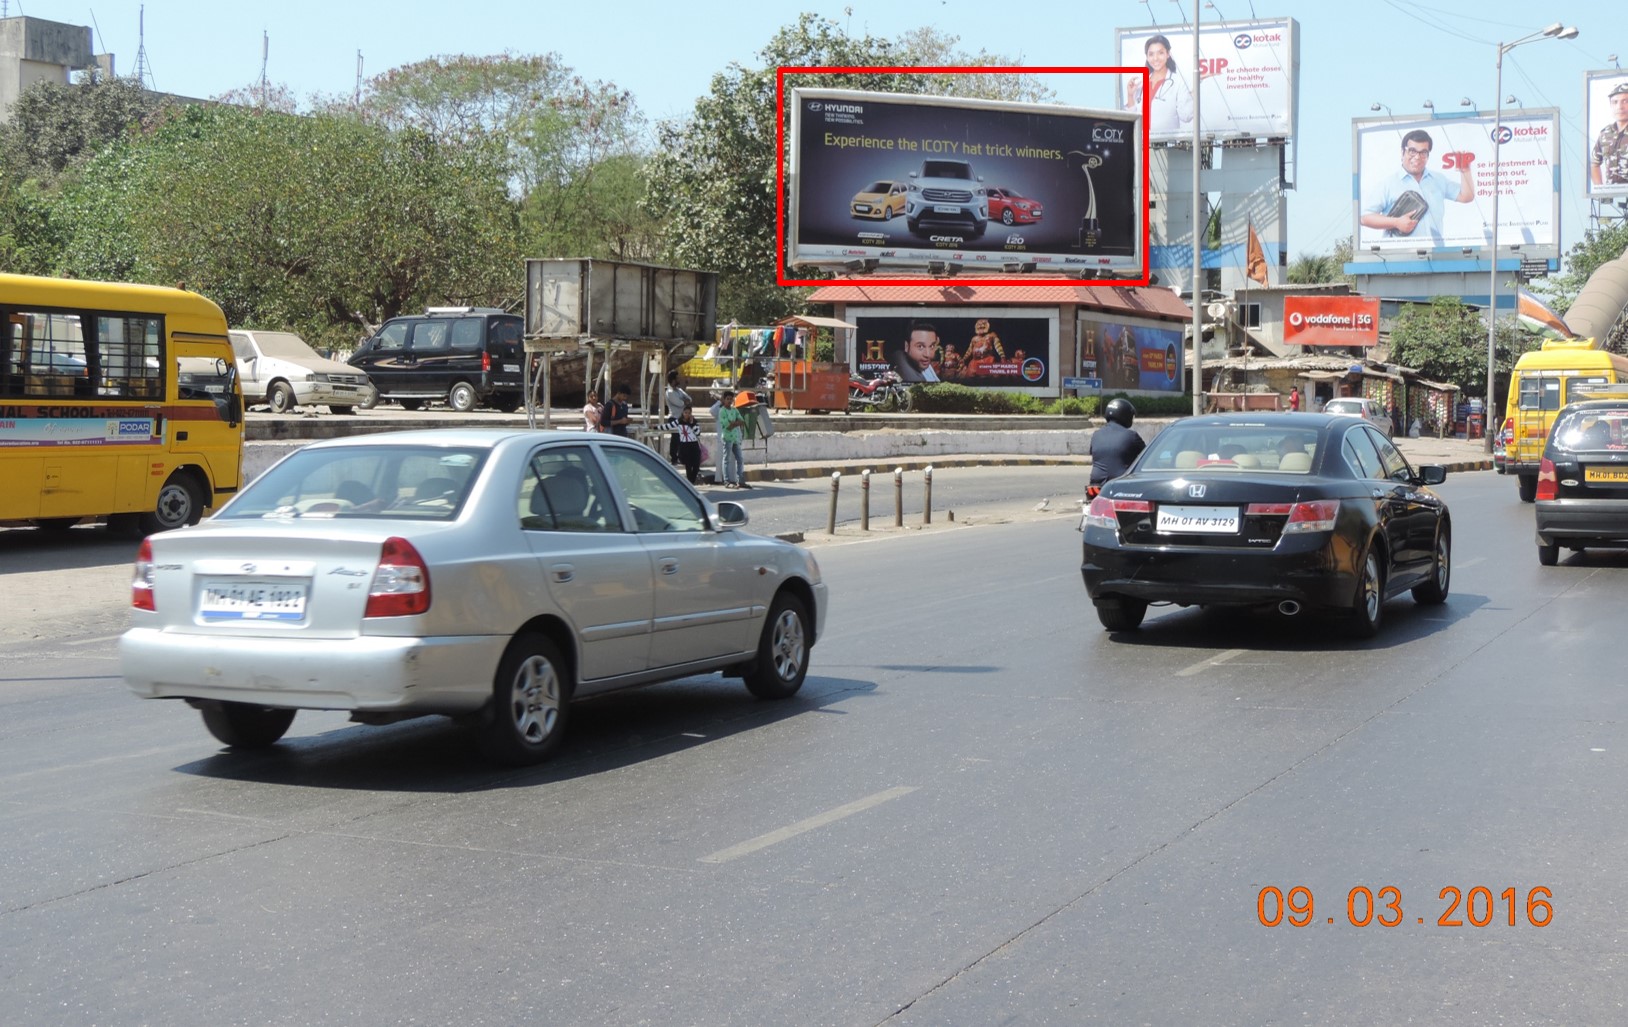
column 886, row 388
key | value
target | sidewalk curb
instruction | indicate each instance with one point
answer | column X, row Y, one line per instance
column 792, row 472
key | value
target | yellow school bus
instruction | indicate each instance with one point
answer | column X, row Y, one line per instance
column 116, row 401
column 1544, row 381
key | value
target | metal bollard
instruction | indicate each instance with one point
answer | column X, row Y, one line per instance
column 865, row 499
column 831, row 521
column 927, row 501
column 898, row 497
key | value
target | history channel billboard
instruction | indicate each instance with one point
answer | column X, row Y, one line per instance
column 907, row 181
column 1426, row 183
column 993, row 348
column 1605, row 102
column 1248, row 84
column 1130, row 354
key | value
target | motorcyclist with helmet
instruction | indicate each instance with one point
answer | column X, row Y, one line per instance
column 1114, row 446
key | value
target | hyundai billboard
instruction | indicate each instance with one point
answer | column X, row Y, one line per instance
column 908, row 181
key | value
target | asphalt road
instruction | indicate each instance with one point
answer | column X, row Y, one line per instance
column 980, row 809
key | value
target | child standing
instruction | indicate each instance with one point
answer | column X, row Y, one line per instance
column 689, row 444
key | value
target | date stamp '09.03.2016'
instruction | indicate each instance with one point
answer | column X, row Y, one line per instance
column 1456, row 907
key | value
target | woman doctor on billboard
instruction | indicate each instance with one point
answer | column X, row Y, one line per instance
column 1172, row 106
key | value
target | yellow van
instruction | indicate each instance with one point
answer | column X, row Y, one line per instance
column 117, row 401
column 1544, row 381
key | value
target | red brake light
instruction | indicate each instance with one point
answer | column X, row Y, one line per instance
column 1315, row 515
column 141, row 582
column 485, row 361
column 401, row 582
column 1104, row 512
column 1548, row 481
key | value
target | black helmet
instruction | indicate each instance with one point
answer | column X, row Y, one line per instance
column 1120, row 412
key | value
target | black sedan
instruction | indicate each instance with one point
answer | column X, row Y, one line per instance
column 1285, row 511
column 1582, row 496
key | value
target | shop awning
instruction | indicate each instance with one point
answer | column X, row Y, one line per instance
column 806, row 321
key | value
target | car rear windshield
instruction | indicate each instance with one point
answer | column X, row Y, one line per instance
column 1585, row 430
column 1343, row 406
column 420, row 483
column 1231, row 448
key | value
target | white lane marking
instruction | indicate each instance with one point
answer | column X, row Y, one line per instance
column 1214, row 661
column 94, row 641
column 763, row 841
column 1471, row 562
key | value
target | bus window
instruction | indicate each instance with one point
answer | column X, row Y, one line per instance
column 1539, row 392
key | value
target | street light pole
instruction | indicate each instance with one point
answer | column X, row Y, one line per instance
column 1489, row 429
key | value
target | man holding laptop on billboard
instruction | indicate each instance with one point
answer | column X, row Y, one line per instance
column 1409, row 202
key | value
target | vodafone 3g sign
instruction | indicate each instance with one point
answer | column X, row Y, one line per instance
column 1331, row 320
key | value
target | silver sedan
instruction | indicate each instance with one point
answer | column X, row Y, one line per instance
column 483, row 574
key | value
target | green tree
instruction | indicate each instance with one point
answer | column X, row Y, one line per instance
column 323, row 224
column 573, row 148
column 1318, row 268
column 53, row 127
column 713, row 178
column 1447, row 341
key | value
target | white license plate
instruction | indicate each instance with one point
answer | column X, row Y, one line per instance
column 511, row 368
column 862, row 208
column 253, row 600
column 946, row 208
column 1199, row 520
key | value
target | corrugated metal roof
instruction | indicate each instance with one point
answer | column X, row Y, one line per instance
column 1134, row 300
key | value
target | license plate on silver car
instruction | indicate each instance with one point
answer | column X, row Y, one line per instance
column 1200, row 520
column 253, row 600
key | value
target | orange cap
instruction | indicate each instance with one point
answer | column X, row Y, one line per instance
column 744, row 399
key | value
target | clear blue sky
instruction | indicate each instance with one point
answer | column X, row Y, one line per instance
column 1393, row 52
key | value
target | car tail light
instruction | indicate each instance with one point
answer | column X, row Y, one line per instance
column 485, row 361
column 1548, row 481
column 1104, row 512
column 1314, row 515
column 401, row 582
column 141, row 582
column 1509, row 429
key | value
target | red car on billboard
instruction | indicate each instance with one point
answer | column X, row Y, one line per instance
column 1009, row 208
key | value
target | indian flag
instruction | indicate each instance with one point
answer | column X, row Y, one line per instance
column 1538, row 314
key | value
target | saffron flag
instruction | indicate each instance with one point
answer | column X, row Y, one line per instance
column 1538, row 314
column 1255, row 261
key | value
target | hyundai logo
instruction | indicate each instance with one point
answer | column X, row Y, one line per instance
column 249, row 568
column 1196, row 491
column 814, row 105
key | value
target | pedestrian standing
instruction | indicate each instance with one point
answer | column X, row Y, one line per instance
column 1294, row 399
column 677, row 401
column 689, row 443
column 617, row 414
column 593, row 414
column 732, row 431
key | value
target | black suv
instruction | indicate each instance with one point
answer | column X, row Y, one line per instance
column 463, row 355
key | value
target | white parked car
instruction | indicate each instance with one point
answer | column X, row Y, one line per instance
column 484, row 574
column 1367, row 409
column 280, row 367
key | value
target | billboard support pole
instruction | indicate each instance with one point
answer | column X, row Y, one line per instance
column 1490, row 429
column 1198, row 239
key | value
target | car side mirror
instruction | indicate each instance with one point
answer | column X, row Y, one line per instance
column 731, row 515
column 1432, row 474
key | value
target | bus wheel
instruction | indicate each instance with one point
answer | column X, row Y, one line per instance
column 179, row 504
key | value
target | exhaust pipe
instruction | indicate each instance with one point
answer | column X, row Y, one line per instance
column 1288, row 607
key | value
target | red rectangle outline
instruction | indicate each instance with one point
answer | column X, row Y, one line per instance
column 780, row 178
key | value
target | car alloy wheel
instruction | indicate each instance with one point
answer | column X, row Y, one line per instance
column 1369, row 604
column 530, row 703
column 1435, row 590
column 782, row 652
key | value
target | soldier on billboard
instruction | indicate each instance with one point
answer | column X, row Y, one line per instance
column 1608, row 162
column 1413, row 197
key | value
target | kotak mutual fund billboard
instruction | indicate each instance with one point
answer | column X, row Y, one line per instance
column 1249, row 76
column 1426, row 184
column 908, row 180
column 1330, row 320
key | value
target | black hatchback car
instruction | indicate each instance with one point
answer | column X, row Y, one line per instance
column 1582, row 495
column 465, row 356
column 1285, row 511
